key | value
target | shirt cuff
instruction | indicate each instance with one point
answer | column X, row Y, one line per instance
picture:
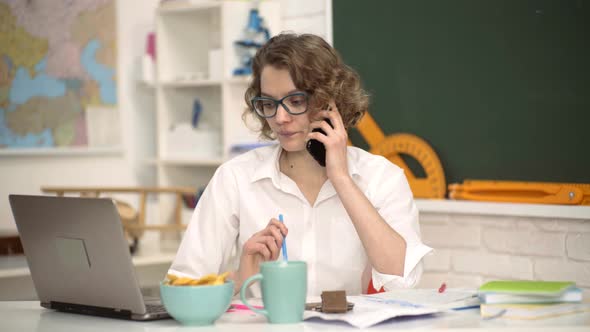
column 412, row 270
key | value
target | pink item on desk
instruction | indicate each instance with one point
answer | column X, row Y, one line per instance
column 242, row 309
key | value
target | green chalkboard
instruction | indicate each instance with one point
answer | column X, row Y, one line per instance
column 500, row 89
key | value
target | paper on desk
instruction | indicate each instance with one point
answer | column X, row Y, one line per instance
column 369, row 311
column 451, row 298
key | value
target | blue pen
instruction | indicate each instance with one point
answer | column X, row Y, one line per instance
column 285, row 256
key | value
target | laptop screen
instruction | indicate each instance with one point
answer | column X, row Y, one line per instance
column 76, row 251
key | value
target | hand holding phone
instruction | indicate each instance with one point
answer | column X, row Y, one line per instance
column 317, row 148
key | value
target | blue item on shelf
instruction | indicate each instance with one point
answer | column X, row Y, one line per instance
column 255, row 35
column 197, row 110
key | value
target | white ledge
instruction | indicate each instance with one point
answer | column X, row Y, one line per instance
column 61, row 151
column 504, row 209
column 16, row 266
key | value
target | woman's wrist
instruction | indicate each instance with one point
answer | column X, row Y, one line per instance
column 235, row 276
column 249, row 266
column 343, row 180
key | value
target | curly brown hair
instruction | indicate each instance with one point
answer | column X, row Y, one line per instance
column 316, row 68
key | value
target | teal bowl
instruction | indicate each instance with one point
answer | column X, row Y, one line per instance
column 197, row 305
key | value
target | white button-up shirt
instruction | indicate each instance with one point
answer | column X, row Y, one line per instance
column 249, row 190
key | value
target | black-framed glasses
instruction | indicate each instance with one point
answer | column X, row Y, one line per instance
column 295, row 104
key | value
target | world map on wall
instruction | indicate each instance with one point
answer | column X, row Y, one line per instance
column 57, row 59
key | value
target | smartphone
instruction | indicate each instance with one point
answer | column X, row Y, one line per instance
column 317, row 148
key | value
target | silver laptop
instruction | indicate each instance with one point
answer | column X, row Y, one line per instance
column 78, row 257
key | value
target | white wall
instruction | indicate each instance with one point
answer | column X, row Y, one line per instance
column 135, row 18
column 471, row 249
column 308, row 16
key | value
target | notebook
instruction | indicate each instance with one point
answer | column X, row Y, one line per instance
column 525, row 291
column 78, row 257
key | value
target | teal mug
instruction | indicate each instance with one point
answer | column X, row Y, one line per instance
column 284, row 288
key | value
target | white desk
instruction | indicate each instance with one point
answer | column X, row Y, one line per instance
column 29, row 316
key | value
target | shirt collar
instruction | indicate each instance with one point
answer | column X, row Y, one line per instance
column 269, row 165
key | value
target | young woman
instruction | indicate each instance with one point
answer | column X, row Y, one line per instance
column 352, row 221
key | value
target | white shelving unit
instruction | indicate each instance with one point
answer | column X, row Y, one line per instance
column 186, row 35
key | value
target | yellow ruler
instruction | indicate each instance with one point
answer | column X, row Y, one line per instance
column 431, row 186
column 522, row 192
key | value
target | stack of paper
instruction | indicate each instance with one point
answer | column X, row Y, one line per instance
column 372, row 309
column 530, row 299
column 369, row 311
column 450, row 298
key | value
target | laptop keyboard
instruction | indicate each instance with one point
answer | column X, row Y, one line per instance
column 155, row 308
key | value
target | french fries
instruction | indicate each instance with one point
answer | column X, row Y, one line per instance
column 208, row 280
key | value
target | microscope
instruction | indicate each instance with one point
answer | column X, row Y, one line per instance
column 255, row 35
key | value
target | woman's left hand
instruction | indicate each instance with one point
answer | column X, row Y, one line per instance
column 335, row 140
